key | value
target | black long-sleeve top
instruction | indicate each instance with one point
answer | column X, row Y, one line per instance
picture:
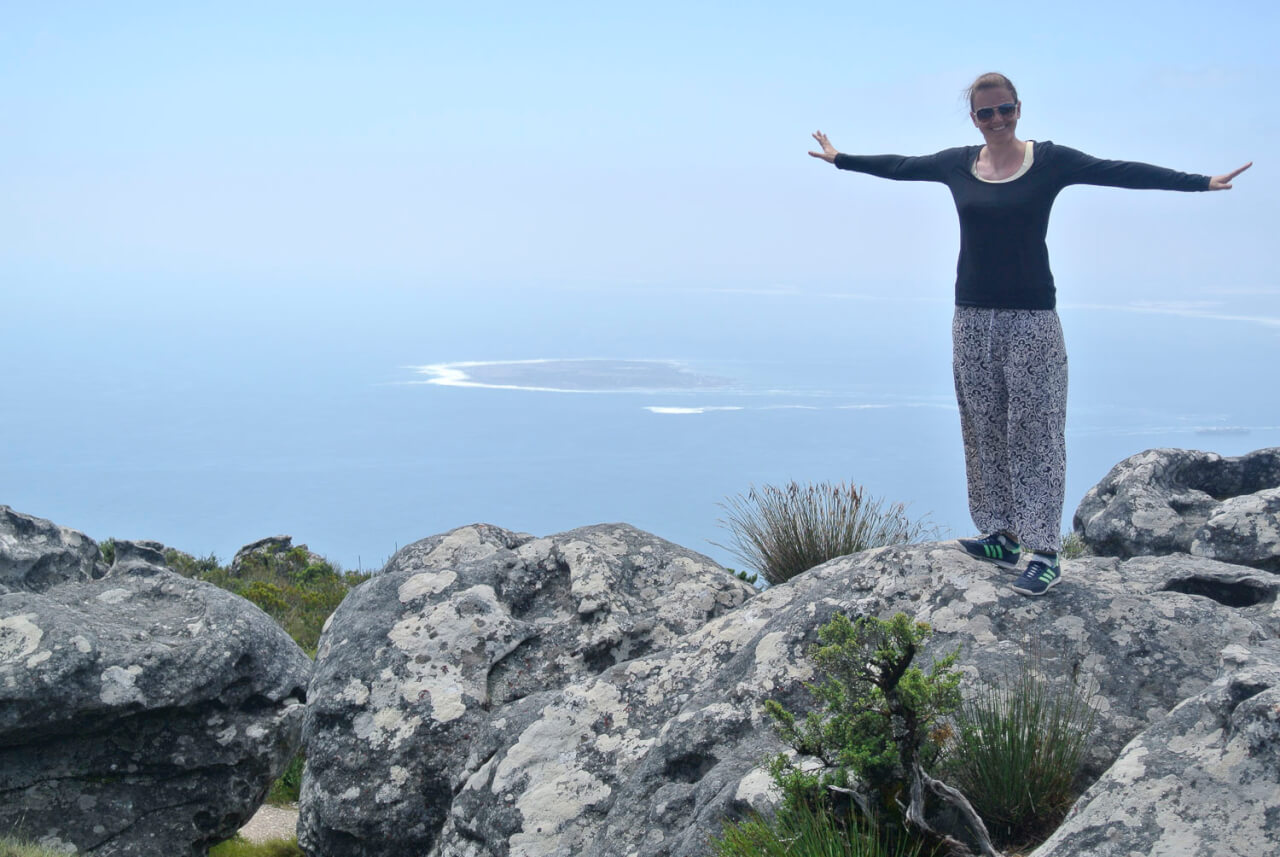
column 1004, row 261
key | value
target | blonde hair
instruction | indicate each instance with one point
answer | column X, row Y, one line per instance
column 990, row 80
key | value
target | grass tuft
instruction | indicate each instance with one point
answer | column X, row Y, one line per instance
column 1073, row 546
column 1016, row 754
column 11, row 847
column 241, row 847
column 781, row 532
column 803, row 832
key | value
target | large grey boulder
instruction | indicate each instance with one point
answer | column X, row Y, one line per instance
column 1164, row 501
column 36, row 554
column 141, row 714
column 1204, row 780
column 457, row 628
column 646, row 753
column 649, row 757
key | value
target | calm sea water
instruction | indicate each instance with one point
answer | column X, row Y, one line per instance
column 207, row 416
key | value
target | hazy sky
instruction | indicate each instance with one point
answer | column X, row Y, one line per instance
column 603, row 144
column 228, row 228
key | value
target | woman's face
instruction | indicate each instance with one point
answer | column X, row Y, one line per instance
column 996, row 126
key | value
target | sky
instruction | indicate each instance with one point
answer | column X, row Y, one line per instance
column 274, row 183
column 605, row 144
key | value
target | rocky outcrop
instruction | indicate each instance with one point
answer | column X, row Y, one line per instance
column 142, row 713
column 1166, row 501
column 1204, row 780
column 645, row 752
column 268, row 548
column 420, row 661
column 36, row 554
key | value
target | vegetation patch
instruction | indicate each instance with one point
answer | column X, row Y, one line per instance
column 294, row 587
column 781, row 532
column 1017, row 751
column 240, row 847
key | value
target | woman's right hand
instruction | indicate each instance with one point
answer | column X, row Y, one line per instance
column 828, row 152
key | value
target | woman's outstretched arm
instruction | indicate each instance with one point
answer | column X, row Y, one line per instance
column 926, row 168
column 1222, row 182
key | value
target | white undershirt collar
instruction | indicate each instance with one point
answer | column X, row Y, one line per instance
column 1027, row 157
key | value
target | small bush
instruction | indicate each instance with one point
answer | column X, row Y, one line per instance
column 869, row 683
column 288, row 786
column 803, row 832
column 1017, row 751
column 782, row 532
column 1073, row 546
column 11, row 847
column 880, row 724
column 241, row 847
column 237, row 846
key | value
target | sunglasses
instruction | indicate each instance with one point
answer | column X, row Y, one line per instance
column 1006, row 109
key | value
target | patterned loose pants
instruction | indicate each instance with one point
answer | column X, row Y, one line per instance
column 1011, row 384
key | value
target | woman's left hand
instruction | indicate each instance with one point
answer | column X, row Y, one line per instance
column 1223, row 182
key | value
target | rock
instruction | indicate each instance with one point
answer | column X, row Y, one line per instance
column 1243, row 530
column 142, row 713
column 1164, row 501
column 1204, row 780
column 644, row 752
column 649, row 757
column 36, row 554
column 456, row 629
column 129, row 555
column 272, row 546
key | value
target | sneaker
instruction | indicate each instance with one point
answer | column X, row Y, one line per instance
column 1041, row 574
column 997, row 548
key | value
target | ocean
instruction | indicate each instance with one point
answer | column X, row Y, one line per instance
column 359, row 418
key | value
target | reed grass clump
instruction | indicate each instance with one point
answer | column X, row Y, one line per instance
column 783, row 531
column 238, row 846
column 13, row 847
column 1017, row 750
column 805, row 832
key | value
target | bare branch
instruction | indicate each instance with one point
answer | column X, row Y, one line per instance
column 919, row 779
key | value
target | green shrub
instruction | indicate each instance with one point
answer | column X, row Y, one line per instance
column 1017, row 752
column 268, row 596
column 782, row 532
column 288, row 787
column 190, row 566
column 241, row 847
column 881, row 722
column 868, row 683
column 803, row 832
column 107, row 550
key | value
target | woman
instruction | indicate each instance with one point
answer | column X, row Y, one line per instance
column 1009, row 360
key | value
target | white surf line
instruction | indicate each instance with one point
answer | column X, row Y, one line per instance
column 939, row 406
column 699, row 409
column 1140, row 431
column 1186, row 310
column 785, row 292
column 453, row 375
column 660, row 409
